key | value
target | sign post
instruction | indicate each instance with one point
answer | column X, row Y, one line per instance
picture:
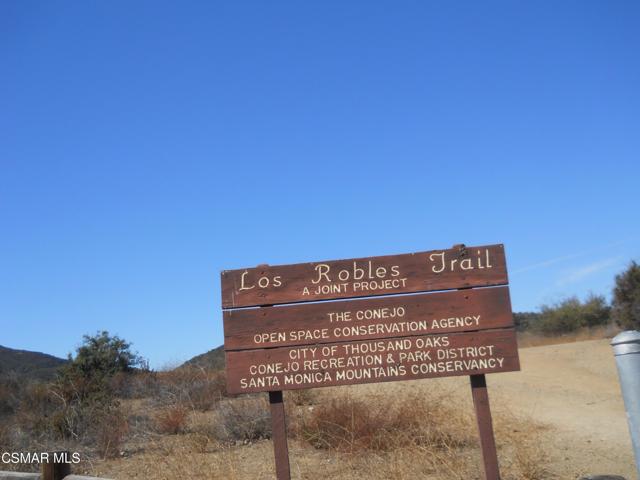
column 485, row 427
column 425, row 315
column 279, row 435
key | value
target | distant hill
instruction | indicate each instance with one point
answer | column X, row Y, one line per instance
column 32, row 365
column 213, row 359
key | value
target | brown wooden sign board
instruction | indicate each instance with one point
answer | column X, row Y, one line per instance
column 371, row 361
column 400, row 332
column 458, row 267
column 382, row 317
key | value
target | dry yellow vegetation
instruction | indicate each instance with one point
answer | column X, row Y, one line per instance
column 561, row 417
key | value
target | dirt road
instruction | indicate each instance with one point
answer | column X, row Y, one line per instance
column 573, row 390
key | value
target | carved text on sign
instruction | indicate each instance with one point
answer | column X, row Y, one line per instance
column 373, row 361
column 407, row 273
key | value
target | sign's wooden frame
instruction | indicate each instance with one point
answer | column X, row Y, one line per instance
column 397, row 309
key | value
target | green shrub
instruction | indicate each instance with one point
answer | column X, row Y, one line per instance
column 525, row 320
column 86, row 404
column 571, row 314
column 98, row 360
column 626, row 298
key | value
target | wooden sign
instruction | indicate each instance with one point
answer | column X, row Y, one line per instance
column 399, row 332
column 362, row 277
column 383, row 317
column 371, row 361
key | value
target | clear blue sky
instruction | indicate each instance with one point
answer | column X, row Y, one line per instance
column 145, row 146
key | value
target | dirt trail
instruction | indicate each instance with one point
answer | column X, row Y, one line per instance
column 573, row 388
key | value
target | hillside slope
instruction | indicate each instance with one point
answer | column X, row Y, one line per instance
column 213, row 359
column 27, row 364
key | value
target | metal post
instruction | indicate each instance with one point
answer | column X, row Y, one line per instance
column 626, row 348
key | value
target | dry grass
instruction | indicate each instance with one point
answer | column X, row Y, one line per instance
column 351, row 424
column 171, row 420
column 185, row 457
column 197, row 388
column 530, row 462
column 345, row 433
column 5, row 436
column 304, row 396
column 243, row 419
column 109, row 431
column 528, row 339
column 191, row 456
column 36, row 409
column 342, row 433
column 522, row 448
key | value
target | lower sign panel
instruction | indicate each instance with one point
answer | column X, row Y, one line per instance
column 348, row 363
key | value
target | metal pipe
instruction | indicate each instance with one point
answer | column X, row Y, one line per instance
column 626, row 348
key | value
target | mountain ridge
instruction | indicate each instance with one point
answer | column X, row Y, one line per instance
column 213, row 359
column 29, row 364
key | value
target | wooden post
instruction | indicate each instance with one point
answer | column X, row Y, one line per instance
column 279, row 428
column 57, row 468
column 485, row 427
column 279, row 435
